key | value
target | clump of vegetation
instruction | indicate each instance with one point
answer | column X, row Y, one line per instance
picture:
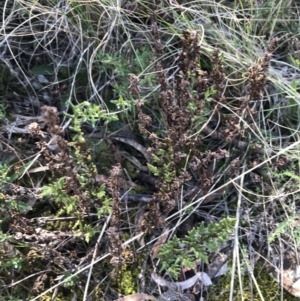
column 263, row 286
column 197, row 244
column 146, row 130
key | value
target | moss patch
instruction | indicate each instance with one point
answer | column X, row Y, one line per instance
column 269, row 288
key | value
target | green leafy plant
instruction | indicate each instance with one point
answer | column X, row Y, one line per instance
column 106, row 202
column 164, row 166
column 57, row 191
column 4, row 174
column 76, row 193
column 9, row 261
column 290, row 228
column 71, row 282
column 87, row 112
column 13, row 262
column 8, row 203
column 196, row 245
column 2, row 111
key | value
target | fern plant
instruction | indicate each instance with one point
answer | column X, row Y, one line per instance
column 57, row 191
column 288, row 227
column 75, row 193
column 196, row 245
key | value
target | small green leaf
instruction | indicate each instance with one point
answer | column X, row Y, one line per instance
column 153, row 169
column 156, row 159
column 161, row 152
column 42, row 70
column 294, row 85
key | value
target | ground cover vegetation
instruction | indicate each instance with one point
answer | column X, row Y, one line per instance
column 149, row 149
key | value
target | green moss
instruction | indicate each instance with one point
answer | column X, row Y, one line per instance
column 125, row 277
column 268, row 286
